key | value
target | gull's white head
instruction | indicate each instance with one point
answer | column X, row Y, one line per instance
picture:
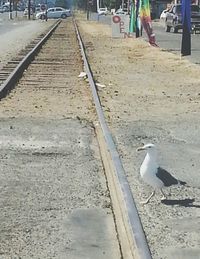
column 150, row 148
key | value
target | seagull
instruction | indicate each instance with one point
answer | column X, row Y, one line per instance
column 153, row 174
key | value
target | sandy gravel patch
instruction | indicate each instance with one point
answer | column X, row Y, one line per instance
column 152, row 96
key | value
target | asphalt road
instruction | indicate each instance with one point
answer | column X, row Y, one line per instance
column 7, row 25
column 172, row 42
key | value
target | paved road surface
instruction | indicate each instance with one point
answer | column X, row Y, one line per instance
column 7, row 25
column 172, row 42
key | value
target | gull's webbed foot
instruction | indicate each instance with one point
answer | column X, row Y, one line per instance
column 164, row 197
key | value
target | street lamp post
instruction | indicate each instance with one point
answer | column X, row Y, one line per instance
column 97, row 5
column 46, row 12
column 10, row 10
column 122, row 4
column 29, row 9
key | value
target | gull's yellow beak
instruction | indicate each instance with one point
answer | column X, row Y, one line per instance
column 140, row 148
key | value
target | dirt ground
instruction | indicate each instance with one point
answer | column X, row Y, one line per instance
column 139, row 77
column 152, row 96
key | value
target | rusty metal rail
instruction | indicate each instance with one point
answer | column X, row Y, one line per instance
column 13, row 72
column 127, row 217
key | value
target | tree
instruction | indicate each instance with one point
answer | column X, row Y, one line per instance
column 80, row 4
column 61, row 3
column 109, row 3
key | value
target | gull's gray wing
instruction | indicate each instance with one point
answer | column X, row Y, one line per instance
column 166, row 177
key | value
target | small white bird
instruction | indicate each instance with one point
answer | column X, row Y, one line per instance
column 154, row 175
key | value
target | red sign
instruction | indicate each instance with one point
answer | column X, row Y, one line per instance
column 116, row 19
column 43, row 7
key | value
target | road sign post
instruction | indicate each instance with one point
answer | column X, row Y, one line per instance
column 186, row 22
column 42, row 7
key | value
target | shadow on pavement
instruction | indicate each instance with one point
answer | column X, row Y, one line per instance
column 184, row 203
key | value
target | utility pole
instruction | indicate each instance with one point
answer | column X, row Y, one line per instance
column 46, row 11
column 117, row 4
column 29, row 9
column 128, row 6
column 87, row 10
column 122, row 4
column 137, row 29
column 97, row 5
column 15, row 7
column 10, row 10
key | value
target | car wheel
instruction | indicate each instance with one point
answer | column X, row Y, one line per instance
column 175, row 29
column 63, row 16
column 167, row 28
column 42, row 17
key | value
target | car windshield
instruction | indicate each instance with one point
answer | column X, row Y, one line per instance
column 194, row 8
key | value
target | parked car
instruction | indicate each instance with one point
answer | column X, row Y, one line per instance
column 102, row 11
column 120, row 11
column 163, row 15
column 174, row 18
column 20, row 7
column 1, row 9
column 37, row 9
column 4, row 8
column 56, row 12
column 26, row 11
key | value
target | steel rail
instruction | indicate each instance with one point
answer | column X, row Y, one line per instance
column 14, row 76
column 137, row 232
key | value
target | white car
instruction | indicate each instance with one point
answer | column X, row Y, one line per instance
column 55, row 12
column 120, row 11
column 26, row 11
column 102, row 11
column 4, row 8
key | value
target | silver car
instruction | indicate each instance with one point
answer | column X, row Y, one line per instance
column 174, row 18
column 55, row 12
column 4, row 8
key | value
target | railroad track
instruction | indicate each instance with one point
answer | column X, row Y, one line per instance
column 14, row 69
column 47, row 67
